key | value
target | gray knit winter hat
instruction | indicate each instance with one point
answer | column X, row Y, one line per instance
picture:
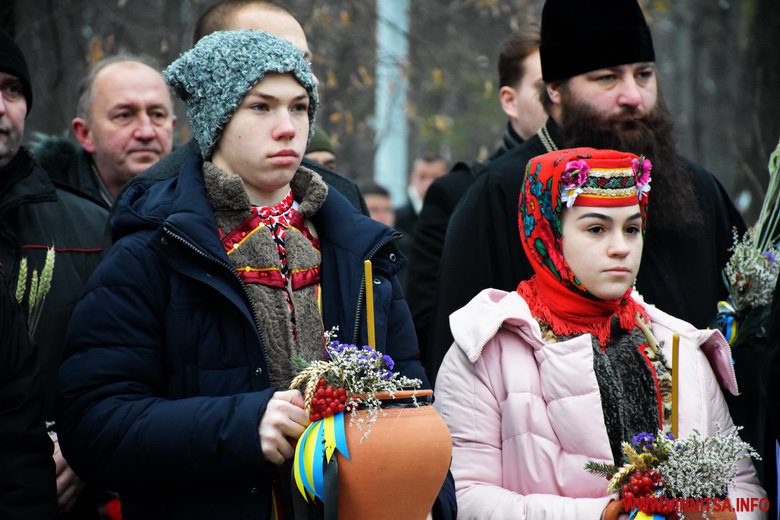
column 214, row 76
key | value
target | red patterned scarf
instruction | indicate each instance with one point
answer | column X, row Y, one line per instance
column 554, row 295
column 278, row 219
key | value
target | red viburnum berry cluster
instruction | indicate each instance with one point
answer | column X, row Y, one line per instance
column 327, row 401
column 644, row 484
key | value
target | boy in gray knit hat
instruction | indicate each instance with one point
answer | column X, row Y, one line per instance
column 222, row 275
column 214, row 77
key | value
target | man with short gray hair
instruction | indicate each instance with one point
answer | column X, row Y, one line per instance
column 124, row 124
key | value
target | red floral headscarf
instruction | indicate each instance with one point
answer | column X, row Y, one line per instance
column 554, row 181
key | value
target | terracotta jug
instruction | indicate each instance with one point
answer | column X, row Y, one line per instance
column 397, row 471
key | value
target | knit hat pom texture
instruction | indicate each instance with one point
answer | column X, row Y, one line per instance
column 214, row 77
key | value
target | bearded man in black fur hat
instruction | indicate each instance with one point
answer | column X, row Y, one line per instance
column 601, row 90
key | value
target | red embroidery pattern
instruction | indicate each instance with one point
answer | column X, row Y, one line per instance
column 277, row 220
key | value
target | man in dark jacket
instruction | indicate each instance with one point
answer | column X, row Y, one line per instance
column 604, row 95
column 273, row 18
column 519, row 78
column 27, row 488
column 35, row 216
column 425, row 170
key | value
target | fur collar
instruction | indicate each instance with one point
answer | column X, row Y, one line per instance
column 226, row 192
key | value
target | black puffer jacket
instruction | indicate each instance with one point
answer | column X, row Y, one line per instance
column 34, row 215
column 27, row 487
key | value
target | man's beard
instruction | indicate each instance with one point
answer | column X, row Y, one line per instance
column 673, row 206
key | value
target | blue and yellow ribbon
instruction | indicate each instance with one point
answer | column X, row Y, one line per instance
column 636, row 514
column 726, row 320
column 315, row 448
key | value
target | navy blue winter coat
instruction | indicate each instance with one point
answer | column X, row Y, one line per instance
column 166, row 379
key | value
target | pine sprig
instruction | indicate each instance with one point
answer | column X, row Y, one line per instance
column 601, row 469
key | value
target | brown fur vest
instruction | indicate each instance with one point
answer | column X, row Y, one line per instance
column 231, row 206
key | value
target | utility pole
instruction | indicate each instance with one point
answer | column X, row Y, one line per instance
column 390, row 157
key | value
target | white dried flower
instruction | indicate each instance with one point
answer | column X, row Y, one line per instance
column 752, row 270
column 751, row 273
column 703, row 467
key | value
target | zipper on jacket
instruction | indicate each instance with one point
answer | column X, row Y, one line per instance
column 233, row 271
column 731, row 360
column 733, row 370
column 361, row 295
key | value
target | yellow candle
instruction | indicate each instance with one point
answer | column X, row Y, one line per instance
column 675, row 383
column 370, row 303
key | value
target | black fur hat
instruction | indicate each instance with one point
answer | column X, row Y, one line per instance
column 580, row 36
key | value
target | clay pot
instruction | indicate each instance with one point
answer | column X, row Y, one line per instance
column 397, row 471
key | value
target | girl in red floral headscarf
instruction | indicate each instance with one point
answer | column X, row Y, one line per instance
column 606, row 195
column 562, row 371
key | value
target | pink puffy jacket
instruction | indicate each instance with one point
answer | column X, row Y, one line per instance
column 525, row 416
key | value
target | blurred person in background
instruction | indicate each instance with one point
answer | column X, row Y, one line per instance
column 425, row 170
column 320, row 149
column 381, row 208
column 379, row 202
column 520, row 82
